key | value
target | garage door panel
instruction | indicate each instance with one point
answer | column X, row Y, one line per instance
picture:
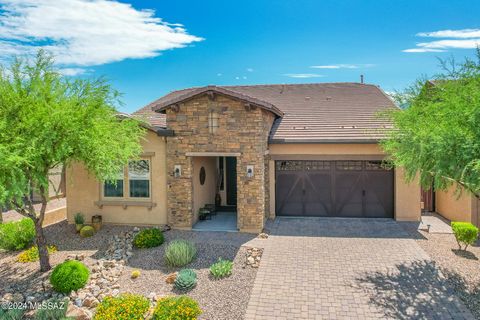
column 334, row 188
column 318, row 193
column 379, row 193
column 289, row 200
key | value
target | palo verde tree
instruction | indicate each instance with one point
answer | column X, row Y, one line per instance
column 47, row 120
column 437, row 135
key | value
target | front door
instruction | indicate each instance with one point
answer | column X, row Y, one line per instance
column 231, row 171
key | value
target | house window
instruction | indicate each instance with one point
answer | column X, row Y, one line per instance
column 132, row 183
column 114, row 189
column 139, row 178
column 212, row 122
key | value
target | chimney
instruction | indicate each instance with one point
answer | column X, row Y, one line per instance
column 361, row 78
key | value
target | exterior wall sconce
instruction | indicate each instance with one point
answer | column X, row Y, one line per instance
column 249, row 171
column 177, row 171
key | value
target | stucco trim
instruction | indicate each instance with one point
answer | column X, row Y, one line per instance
column 323, row 141
column 125, row 204
column 213, row 154
column 326, row 157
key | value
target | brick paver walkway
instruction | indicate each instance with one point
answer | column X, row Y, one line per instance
column 322, row 268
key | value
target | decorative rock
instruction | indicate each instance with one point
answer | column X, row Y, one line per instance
column 250, row 260
column 171, row 278
column 115, row 292
column 263, row 235
column 78, row 302
column 152, row 296
column 17, row 297
column 78, row 313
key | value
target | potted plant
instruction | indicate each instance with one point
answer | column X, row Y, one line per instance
column 79, row 221
column 203, row 213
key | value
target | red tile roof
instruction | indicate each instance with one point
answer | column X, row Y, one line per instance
column 319, row 112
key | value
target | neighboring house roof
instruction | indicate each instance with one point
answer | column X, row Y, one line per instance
column 318, row 112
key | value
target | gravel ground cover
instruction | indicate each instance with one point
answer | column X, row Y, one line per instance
column 219, row 299
column 461, row 268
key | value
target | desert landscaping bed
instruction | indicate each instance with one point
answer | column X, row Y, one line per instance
column 225, row 298
column 459, row 267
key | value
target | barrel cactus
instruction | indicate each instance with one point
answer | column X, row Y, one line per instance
column 186, row 279
column 87, row 231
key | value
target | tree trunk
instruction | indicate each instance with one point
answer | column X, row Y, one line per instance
column 42, row 246
column 40, row 238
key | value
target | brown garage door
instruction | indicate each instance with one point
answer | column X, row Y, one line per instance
column 334, row 189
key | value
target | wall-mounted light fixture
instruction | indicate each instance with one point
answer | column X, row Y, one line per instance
column 249, row 171
column 177, row 171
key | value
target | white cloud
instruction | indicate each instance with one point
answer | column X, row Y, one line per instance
column 422, row 50
column 219, row 74
column 464, row 33
column 462, row 39
column 303, row 75
column 86, row 32
column 73, row 71
column 250, row 69
column 343, row 66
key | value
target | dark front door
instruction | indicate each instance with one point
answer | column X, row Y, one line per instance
column 231, row 171
column 334, row 189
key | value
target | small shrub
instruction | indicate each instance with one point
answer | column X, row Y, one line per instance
column 135, row 274
column 186, row 279
column 52, row 309
column 181, row 307
column 221, row 269
column 31, row 254
column 87, row 231
column 79, row 218
column 17, row 235
column 11, row 314
column 69, row 276
column 124, row 307
column 179, row 253
column 148, row 238
column 465, row 233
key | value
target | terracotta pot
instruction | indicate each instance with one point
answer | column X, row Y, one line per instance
column 97, row 222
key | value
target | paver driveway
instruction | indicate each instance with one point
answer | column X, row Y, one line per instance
column 327, row 268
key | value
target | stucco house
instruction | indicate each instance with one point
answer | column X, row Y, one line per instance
column 266, row 150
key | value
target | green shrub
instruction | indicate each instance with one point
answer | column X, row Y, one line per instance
column 186, row 279
column 69, row 276
column 31, row 254
column 148, row 238
column 87, row 231
column 79, row 218
column 465, row 233
column 11, row 314
column 179, row 253
column 181, row 307
column 221, row 269
column 124, row 307
column 17, row 235
column 52, row 309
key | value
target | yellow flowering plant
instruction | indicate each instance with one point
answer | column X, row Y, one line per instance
column 31, row 254
column 179, row 307
column 124, row 307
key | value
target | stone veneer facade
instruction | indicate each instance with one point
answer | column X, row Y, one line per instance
column 239, row 131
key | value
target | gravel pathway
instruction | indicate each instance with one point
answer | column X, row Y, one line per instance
column 461, row 268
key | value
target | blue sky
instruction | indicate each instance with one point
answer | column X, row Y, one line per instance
column 148, row 48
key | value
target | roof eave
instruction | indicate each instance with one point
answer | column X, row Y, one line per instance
column 162, row 106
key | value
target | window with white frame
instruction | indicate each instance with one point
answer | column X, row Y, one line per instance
column 212, row 121
column 114, row 189
column 139, row 179
column 132, row 183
